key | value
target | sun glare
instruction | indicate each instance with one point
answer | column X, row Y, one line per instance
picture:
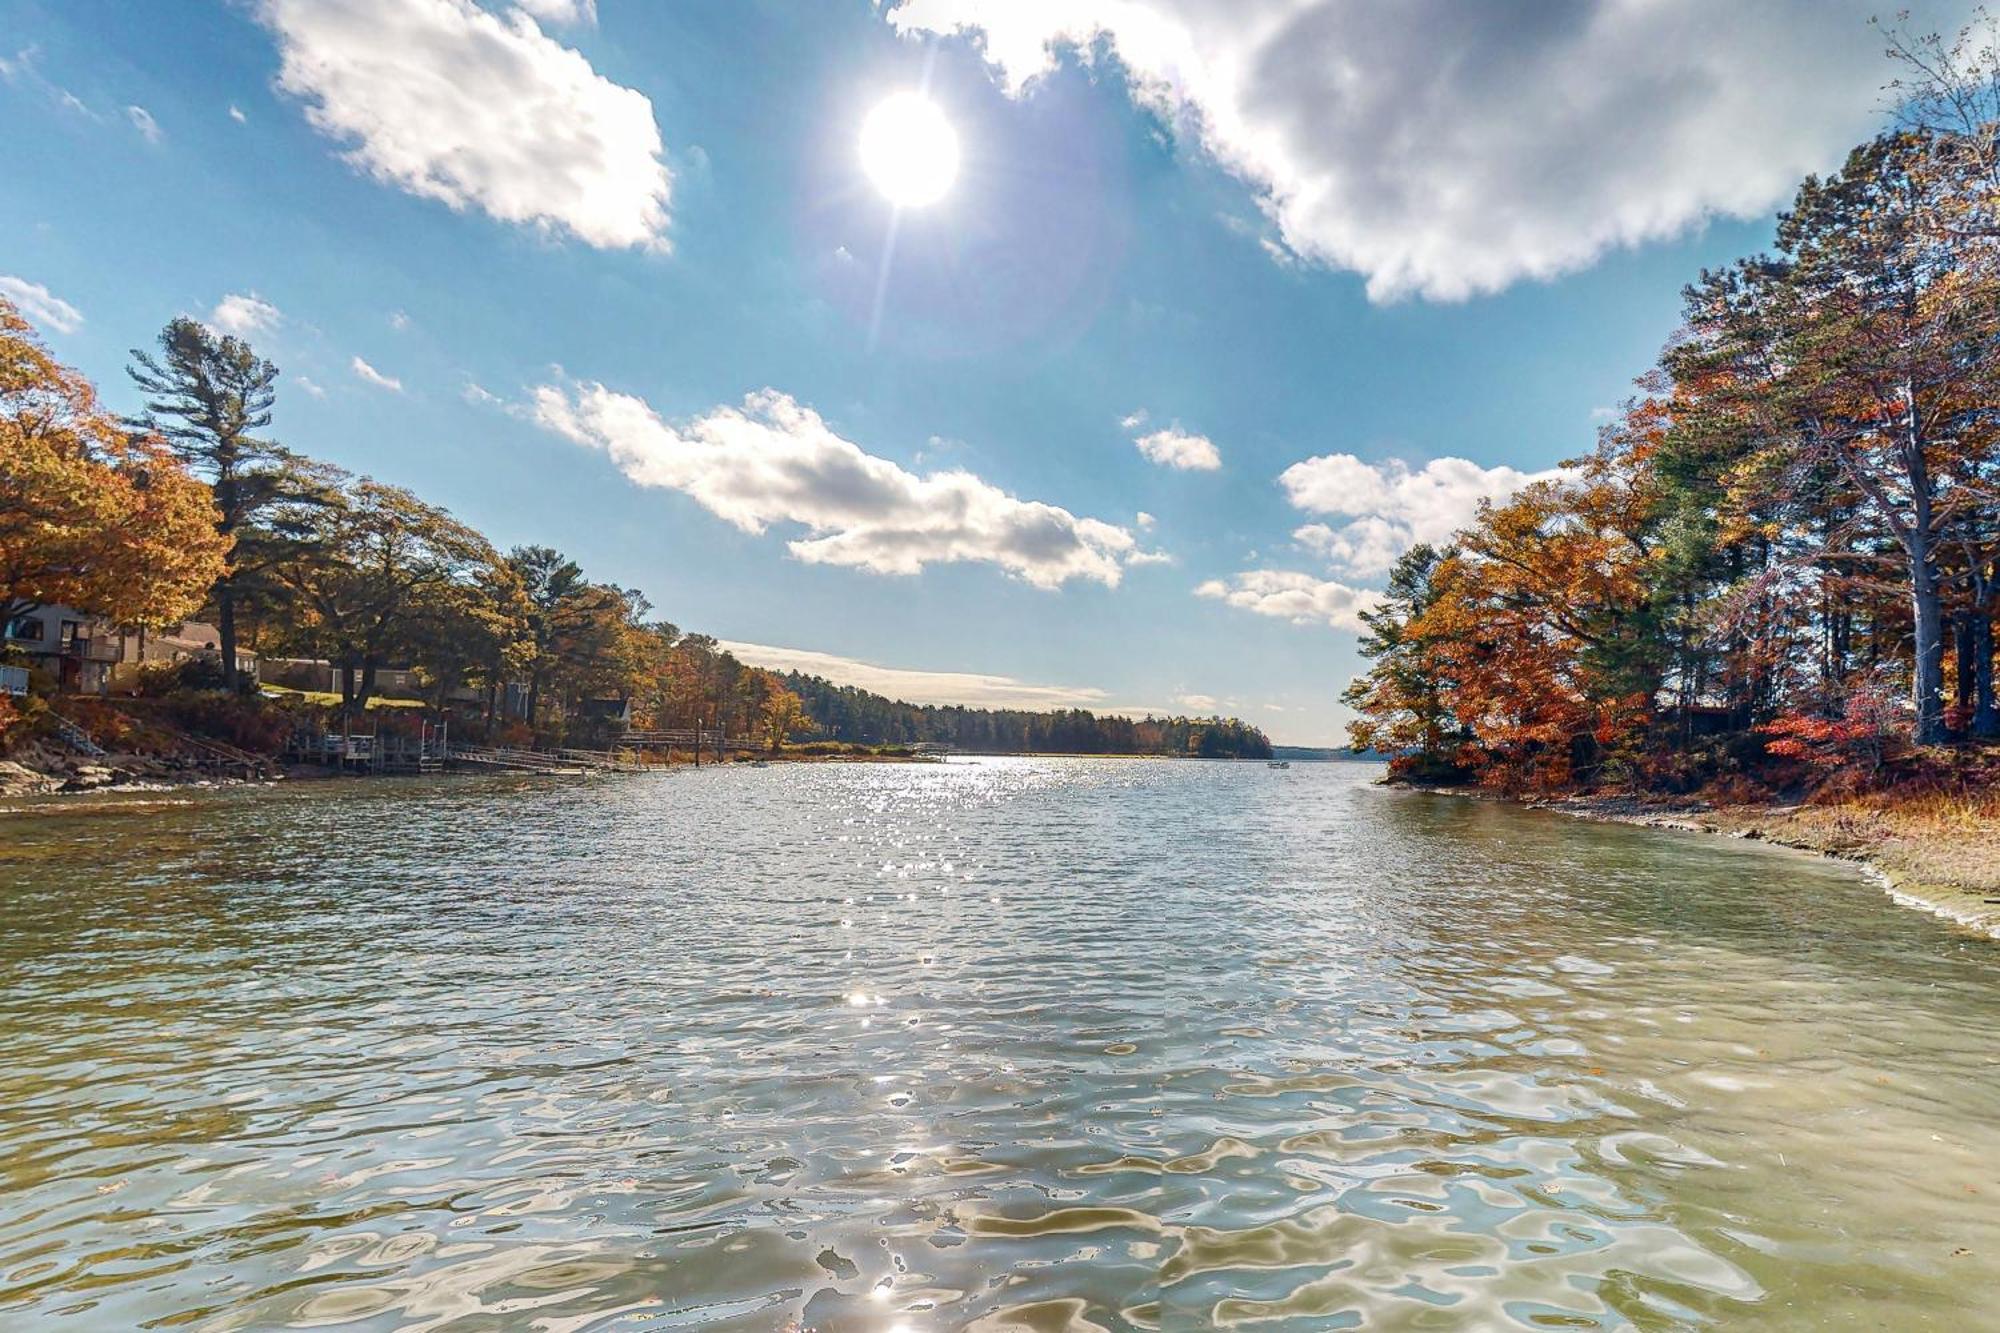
column 909, row 150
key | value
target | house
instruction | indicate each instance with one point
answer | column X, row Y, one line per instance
column 614, row 714
column 319, row 675
column 85, row 654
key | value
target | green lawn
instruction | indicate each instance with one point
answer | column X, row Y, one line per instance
column 332, row 700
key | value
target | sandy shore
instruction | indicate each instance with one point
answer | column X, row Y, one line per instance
column 1943, row 862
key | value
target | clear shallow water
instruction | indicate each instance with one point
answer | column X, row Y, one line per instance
column 1011, row 1045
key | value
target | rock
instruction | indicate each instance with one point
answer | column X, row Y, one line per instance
column 20, row 780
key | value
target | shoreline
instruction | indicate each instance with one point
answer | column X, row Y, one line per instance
column 1951, row 874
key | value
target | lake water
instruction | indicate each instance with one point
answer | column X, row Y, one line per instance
column 1030, row 1045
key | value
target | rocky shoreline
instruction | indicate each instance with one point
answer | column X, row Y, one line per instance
column 1950, row 868
column 34, row 771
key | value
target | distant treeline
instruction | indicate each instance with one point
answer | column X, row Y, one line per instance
column 843, row 712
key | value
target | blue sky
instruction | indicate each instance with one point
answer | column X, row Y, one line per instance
column 531, row 260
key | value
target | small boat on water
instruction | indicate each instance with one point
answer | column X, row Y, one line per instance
column 1280, row 763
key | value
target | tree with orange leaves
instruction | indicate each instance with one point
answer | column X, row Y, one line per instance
column 90, row 516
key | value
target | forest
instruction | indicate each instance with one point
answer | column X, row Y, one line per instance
column 846, row 712
column 1781, row 562
column 189, row 508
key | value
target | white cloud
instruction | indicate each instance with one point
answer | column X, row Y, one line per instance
column 243, row 314
column 1389, row 507
column 142, row 121
column 450, row 102
column 1134, row 420
column 21, row 68
column 398, row 320
column 1448, row 149
column 1144, row 521
column 775, row 461
column 1200, row 703
column 310, row 386
column 369, row 375
column 478, row 394
column 1290, row 595
column 561, row 13
column 968, row 689
column 40, row 304
column 236, row 114
column 1179, row 450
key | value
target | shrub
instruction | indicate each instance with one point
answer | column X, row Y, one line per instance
column 1428, row 768
column 17, row 719
column 248, row 722
column 1851, row 742
column 157, row 680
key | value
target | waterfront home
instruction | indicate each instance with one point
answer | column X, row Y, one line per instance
column 85, row 654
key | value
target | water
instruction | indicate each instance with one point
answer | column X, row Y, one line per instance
column 1008, row 1045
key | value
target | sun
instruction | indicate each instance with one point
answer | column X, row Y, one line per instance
column 909, row 150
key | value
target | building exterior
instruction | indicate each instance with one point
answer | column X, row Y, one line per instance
column 316, row 673
column 84, row 654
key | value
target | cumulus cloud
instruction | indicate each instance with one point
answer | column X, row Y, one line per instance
column 236, row 114
column 1200, row 703
column 1177, row 449
column 776, row 461
column 243, row 314
column 1446, row 149
column 142, row 121
column 450, row 102
column 1388, row 507
column 310, row 386
column 1294, row 596
column 41, row 305
column 367, row 374
column 561, row 13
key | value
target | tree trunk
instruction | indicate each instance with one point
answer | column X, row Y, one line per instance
column 1963, row 684
column 1928, row 673
column 225, row 626
column 367, row 688
column 1985, row 713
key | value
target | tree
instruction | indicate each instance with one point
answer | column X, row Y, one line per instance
column 1865, row 352
column 784, row 713
column 90, row 516
column 566, row 619
column 374, row 564
column 1399, row 701
column 207, row 397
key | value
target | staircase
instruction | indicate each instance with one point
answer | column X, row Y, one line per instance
column 224, row 756
column 75, row 737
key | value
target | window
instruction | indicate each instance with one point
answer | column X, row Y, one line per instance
column 27, row 629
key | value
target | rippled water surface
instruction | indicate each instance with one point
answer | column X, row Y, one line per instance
column 1007, row 1044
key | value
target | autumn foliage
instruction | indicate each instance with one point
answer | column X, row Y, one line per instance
column 91, row 515
column 1784, row 557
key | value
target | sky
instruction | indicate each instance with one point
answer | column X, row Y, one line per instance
column 1218, row 307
